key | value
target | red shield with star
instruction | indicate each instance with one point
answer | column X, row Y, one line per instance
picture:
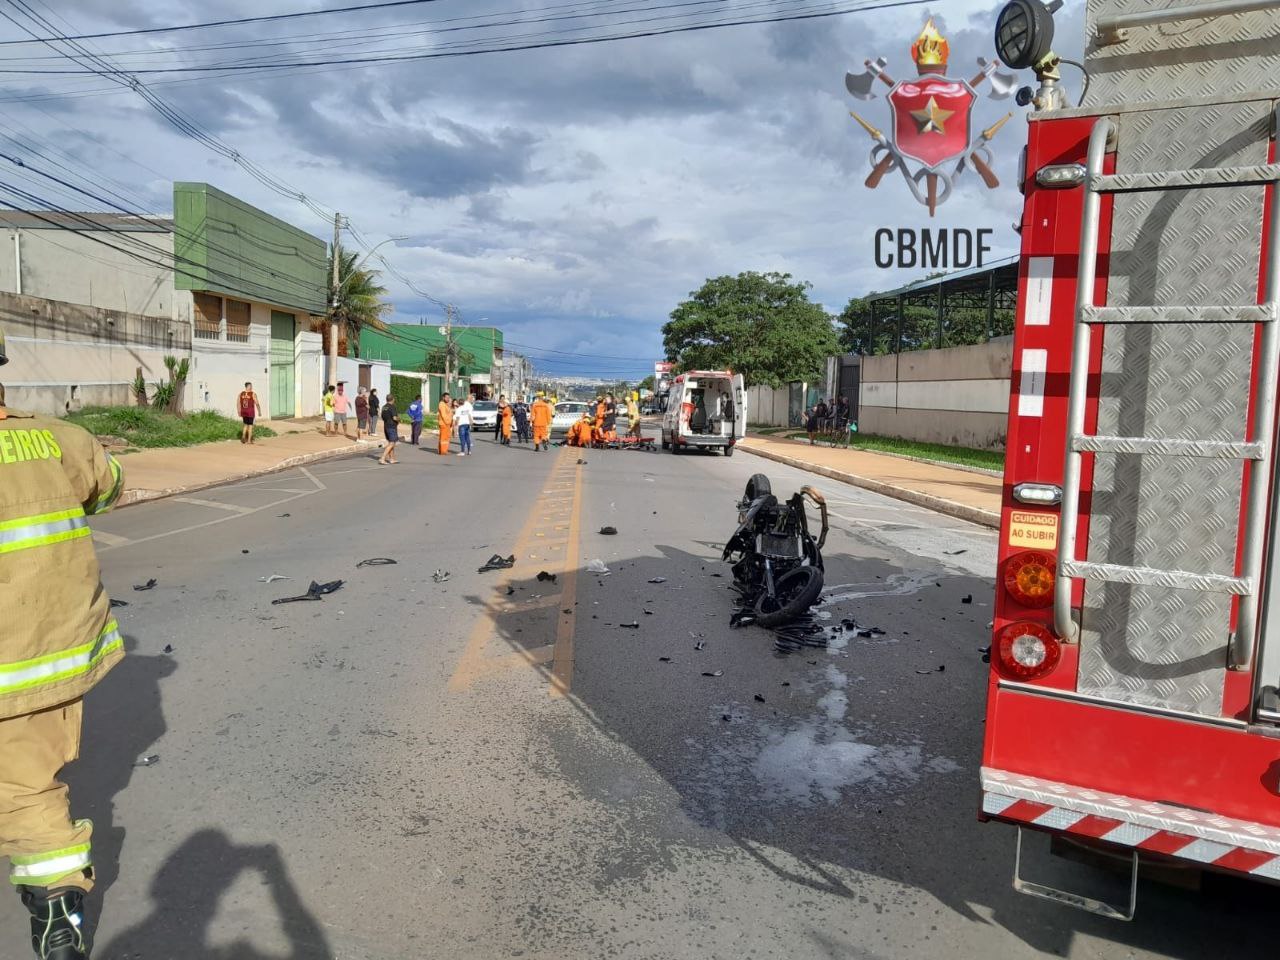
column 931, row 118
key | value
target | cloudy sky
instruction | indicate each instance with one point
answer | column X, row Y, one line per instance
column 571, row 195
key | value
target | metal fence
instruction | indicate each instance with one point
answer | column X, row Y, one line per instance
column 955, row 310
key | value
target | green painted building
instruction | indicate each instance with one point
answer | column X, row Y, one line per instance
column 255, row 282
column 408, row 345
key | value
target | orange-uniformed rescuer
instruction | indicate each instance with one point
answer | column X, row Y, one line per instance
column 57, row 639
column 580, row 432
column 540, row 418
column 505, row 414
column 444, row 421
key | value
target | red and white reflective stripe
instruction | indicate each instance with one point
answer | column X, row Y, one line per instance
column 1261, row 863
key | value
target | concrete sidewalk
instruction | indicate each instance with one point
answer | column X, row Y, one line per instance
column 971, row 496
column 168, row 471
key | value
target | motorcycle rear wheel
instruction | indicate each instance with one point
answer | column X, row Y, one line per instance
column 794, row 592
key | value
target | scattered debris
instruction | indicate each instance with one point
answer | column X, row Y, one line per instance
column 954, row 553
column 376, row 562
column 314, row 592
column 742, row 618
column 510, row 590
column 544, row 577
column 665, row 660
column 119, row 603
column 498, row 562
column 701, row 644
column 726, row 717
column 147, row 761
column 581, row 462
column 283, row 515
column 244, row 551
column 986, row 653
column 657, row 579
column 597, row 566
column 145, row 586
column 609, row 531
column 633, row 625
column 786, row 683
column 273, row 578
column 760, row 699
column 168, row 648
column 441, row 576
column 713, row 673
column 717, row 574
column 648, row 613
column 967, row 598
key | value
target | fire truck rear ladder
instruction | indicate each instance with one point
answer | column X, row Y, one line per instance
column 1259, row 449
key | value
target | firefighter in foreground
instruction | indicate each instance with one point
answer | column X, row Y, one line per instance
column 540, row 416
column 58, row 639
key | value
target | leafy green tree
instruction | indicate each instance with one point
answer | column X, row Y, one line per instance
column 646, row 383
column 359, row 299
column 761, row 325
column 436, row 356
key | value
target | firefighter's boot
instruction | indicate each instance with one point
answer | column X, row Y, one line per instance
column 56, row 921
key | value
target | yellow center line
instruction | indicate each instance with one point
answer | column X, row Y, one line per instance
column 474, row 663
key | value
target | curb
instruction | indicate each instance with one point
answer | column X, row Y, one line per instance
column 981, row 471
column 986, row 518
column 130, row 497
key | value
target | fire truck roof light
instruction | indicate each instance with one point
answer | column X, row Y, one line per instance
column 1043, row 494
column 1061, row 175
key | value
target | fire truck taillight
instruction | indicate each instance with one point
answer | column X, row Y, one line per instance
column 1026, row 651
column 1029, row 578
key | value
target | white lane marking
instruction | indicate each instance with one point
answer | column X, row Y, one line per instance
column 207, row 523
column 312, row 477
column 110, row 539
column 229, row 507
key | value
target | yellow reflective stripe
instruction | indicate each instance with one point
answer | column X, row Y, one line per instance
column 105, row 501
column 45, row 540
column 47, row 867
column 42, row 518
column 55, row 667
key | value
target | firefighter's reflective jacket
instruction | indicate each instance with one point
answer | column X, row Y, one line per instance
column 57, row 635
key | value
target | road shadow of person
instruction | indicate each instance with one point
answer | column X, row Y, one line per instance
column 186, row 892
column 123, row 719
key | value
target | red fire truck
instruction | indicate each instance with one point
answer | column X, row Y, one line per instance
column 1135, row 656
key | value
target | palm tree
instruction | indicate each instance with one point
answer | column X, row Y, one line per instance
column 359, row 299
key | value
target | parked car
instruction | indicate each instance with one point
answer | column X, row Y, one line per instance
column 706, row 410
column 566, row 414
column 484, row 414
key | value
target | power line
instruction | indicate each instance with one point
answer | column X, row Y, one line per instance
column 509, row 47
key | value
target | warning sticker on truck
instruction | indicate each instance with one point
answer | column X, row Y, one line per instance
column 1038, row 530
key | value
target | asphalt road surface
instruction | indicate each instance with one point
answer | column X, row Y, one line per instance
column 493, row 766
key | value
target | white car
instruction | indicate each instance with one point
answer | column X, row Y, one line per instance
column 484, row 414
column 566, row 414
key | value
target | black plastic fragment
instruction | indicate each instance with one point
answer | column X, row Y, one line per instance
column 665, row 660
column 657, row 579
column 609, row 531
column 145, row 586
column 954, row 553
column 244, row 551
column 376, row 562
column 168, row 648
column 543, row 576
column 713, row 673
column 699, row 645
column 119, row 603
column 633, row 625
column 147, row 761
column 498, row 562
column 760, row 699
column 314, row 592
column 967, row 598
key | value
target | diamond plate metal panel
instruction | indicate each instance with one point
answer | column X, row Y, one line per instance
column 1155, row 645
column 1224, row 56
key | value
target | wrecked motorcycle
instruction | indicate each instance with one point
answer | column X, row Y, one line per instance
column 777, row 562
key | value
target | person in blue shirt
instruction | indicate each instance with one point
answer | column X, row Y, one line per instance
column 415, row 419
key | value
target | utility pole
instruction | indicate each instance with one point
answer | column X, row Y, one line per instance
column 333, row 304
column 448, row 347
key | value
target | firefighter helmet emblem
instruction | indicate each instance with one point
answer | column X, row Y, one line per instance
column 932, row 120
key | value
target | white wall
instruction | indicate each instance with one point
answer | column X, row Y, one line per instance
column 767, row 405
column 379, row 374
column 219, row 371
column 72, row 268
column 308, row 373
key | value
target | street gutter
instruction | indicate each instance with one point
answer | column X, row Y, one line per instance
column 986, row 518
